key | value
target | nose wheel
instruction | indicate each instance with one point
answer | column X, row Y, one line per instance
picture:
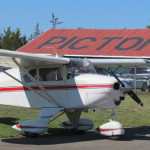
column 115, row 137
column 113, row 129
column 112, row 118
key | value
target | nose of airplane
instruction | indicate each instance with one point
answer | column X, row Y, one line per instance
column 126, row 87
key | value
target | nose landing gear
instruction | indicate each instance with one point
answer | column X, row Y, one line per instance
column 113, row 129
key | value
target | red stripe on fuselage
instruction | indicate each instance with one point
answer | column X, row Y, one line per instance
column 55, row 87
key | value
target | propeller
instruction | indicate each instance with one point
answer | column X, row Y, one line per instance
column 126, row 87
column 122, row 84
column 135, row 97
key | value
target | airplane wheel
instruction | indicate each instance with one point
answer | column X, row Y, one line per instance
column 144, row 87
column 78, row 132
column 31, row 135
column 115, row 137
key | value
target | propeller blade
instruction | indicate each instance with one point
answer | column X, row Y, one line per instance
column 135, row 97
column 116, row 77
column 127, row 88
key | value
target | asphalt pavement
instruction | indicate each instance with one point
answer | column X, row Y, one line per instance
column 137, row 138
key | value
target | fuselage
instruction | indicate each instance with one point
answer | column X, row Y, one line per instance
column 80, row 92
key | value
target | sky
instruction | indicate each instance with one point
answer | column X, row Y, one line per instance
column 88, row 14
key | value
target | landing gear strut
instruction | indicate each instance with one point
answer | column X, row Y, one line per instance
column 112, row 115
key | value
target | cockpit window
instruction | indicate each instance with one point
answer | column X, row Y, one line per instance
column 32, row 73
column 44, row 74
column 50, row 74
column 81, row 66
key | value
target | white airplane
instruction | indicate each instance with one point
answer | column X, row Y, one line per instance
column 65, row 85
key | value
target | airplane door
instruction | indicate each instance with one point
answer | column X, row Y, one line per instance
column 52, row 80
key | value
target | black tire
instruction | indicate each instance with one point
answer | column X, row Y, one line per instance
column 31, row 135
column 144, row 87
column 115, row 137
column 149, row 89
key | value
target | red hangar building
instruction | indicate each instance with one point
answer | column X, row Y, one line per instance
column 92, row 43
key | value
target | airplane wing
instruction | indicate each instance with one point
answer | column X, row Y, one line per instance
column 116, row 62
column 102, row 60
column 29, row 60
column 40, row 60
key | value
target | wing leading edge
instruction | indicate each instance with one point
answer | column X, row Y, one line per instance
column 30, row 60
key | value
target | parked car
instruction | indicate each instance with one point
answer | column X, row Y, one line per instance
column 140, row 74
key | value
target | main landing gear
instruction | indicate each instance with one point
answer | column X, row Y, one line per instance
column 31, row 135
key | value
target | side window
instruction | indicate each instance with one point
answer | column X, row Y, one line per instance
column 45, row 74
column 138, row 70
column 144, row 70
column 32, row 73
column 50, row 74
column 102, row 71
column 99, row 70
column 125, row 71
column 132, row 71
column 148, row 70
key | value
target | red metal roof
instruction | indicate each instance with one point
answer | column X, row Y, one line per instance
column 120, row 42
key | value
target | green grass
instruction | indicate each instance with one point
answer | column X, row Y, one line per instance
column 129, row 113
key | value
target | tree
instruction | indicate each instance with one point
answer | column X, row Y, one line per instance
column 12, row 40
column 148, row 26
column 17, row 40
column 1, row 38
column 80, row 28
column 54, row 21
column 36, row 33
column 24, row 40
column 7, row 38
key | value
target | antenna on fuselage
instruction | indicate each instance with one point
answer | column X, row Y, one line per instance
column 53, row 50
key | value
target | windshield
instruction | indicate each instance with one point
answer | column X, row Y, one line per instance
column 80, row 66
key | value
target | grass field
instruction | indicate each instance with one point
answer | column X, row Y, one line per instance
column 129, row 113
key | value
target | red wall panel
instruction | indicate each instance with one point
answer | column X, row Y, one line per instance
column 125, row 42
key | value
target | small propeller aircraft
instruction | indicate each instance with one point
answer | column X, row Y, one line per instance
column 65, row 85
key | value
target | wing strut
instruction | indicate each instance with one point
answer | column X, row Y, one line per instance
column 50, row 99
